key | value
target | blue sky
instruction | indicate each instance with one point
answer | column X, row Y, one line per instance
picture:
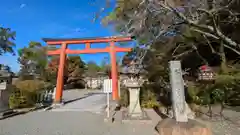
column 36, row 19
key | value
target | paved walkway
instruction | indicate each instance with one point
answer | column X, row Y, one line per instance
column 75, row 118
column 68, row 123
column 92, row 102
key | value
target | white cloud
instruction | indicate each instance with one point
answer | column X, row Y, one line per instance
column 23, row 5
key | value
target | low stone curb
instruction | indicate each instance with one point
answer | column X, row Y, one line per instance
column 6, row 113
column 12, row 113
column 53, row 106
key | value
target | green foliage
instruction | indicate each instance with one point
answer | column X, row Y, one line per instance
column 20, row 99
column 75, row 70
column 194, row 47
column 148, row 98
column 24, row 92
column 7, row 38
column 33, row 59
column 31, row 85
column 124, row 97
column 225, row 90
column 193, row 91
column 92, row 69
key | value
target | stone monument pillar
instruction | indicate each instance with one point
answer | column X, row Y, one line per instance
column 180, row 124
column 178, row 95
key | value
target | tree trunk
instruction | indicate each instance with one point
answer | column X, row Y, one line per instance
column 224, row 68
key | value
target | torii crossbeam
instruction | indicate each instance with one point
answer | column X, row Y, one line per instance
column 63, row 51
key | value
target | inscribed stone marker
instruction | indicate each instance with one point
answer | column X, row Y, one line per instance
column 178, row 96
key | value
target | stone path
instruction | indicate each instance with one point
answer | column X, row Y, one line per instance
column 75, row 118
column 93, row 102
column 74, row 94
column 68, row 123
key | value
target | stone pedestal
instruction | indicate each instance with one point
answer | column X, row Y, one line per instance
column 134, row 109
column 172, row 127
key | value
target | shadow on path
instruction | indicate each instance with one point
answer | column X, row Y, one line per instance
column 157, row 110
column 85, row 96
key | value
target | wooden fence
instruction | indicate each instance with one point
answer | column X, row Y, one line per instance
column 46, row 96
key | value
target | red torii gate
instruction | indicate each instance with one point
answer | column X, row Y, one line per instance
column 112, row 49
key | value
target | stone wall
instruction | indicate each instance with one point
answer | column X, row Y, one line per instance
column 4, row 97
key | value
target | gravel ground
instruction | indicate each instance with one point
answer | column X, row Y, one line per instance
column 229, row 124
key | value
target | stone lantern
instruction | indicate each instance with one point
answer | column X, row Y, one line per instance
column 134, row 84
column 5, row 79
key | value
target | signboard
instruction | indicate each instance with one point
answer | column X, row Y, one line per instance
column 3, row 85
column 107, row 86
column 206, row 73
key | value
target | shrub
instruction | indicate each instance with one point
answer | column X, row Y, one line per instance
column 30, row 85
column 124, row 97
column 148, row 98
column 18, row 100
column 24, row 93
column 225, row 89
column 13, row 98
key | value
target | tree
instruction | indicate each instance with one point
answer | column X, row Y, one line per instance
column 75, row 70
column 33, row 59
column 52, row 70
column 105, row 67
column 5, row 67
column 195, row 32
column 176, row 29
column 7, row 38
column 92, row 69
column 151, row 21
